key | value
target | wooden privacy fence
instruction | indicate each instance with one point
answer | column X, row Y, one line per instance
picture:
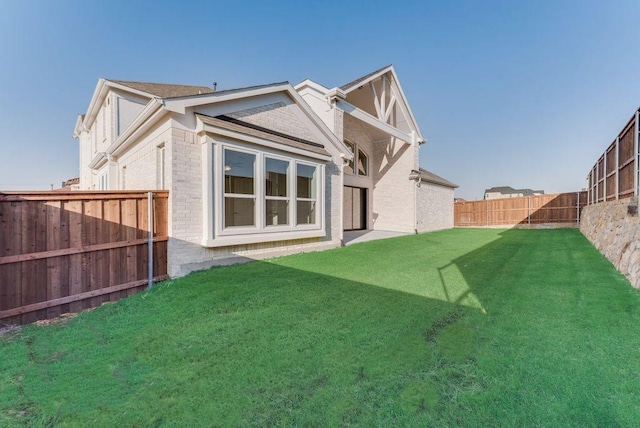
column 68, row 251
column 615, row 175
column 539, row 209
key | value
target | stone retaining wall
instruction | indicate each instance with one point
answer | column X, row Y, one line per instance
column 614, row 229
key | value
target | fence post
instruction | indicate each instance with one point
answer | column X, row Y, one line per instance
column 636, row 156
column 486, row 204
column 598, row 181
column 578, row 208
column 150, row 238
column 604, row 183
column 529, row 210
column 617, row 167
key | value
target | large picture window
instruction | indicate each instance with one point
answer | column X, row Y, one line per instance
column 258, row 194
column 239, row 189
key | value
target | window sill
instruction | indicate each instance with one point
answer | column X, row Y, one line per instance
column 256, row 238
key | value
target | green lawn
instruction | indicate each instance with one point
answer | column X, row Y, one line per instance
column 466, row 327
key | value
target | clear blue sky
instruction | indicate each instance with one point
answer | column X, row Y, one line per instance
column 526, row 94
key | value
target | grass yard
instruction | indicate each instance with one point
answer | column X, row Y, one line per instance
column 465, row 327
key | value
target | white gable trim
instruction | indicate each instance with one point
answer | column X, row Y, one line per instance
column 79, row 127
column 100, row 93
column 369, row 79
column 308, row 83
column 179, row 105
column 399, row 94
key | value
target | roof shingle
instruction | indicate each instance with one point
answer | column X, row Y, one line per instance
column 430, row 177
column 165, row 90
column 231, row 124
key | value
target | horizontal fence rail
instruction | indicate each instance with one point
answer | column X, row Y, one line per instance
column 68, row 251
column 615, row 175
column 530, row 210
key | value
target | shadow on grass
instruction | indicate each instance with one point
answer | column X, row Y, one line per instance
column 435, row 329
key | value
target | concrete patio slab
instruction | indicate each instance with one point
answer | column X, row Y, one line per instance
column 358, row 236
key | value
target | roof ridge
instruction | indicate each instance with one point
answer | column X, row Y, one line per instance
column 156, row 83
column 365, row 77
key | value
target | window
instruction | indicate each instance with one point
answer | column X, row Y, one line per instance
column 103, row 181
column 349, row 169
column 362, row 161
column 239, row 189
column 260, row 194
column 276, row 192
column 160, row 179
column 306, row 195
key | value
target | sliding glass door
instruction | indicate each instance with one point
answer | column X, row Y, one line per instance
column 355, row 208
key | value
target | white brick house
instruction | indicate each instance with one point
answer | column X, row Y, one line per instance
column 265, row 170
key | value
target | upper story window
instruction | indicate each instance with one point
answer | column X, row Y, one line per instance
column 361, row 158
column 363, row 163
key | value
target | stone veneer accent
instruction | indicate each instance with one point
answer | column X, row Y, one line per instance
column 615, row 231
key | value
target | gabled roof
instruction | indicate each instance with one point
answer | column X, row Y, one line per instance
column 361, row 81
column 231, row 124
column 355, row 83
column 164, row 90
column 430, row 177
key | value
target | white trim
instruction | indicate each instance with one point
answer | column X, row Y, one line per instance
column 408, row 113
column 79, row 128
column 311, row 84
column 98, row 160
column 151, row 113
column 369, row 79
column 180, row 105
column 355, row 112
column 225, row 241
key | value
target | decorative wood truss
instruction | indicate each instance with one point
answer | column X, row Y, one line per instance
column 388, row 101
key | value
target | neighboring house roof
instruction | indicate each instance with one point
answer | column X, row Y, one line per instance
column 165, row 90
column 430, row 177
column 71, row 181
column 363, row 78
column 508, row 190
column 231, row 124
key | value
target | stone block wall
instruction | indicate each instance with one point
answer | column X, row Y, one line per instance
column 614, row 229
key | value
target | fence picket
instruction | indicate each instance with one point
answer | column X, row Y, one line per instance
column 67, row 251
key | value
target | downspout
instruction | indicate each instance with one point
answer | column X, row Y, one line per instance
column 415, row 206
column 343, row 163
column 419, row 142
column 417, row 177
